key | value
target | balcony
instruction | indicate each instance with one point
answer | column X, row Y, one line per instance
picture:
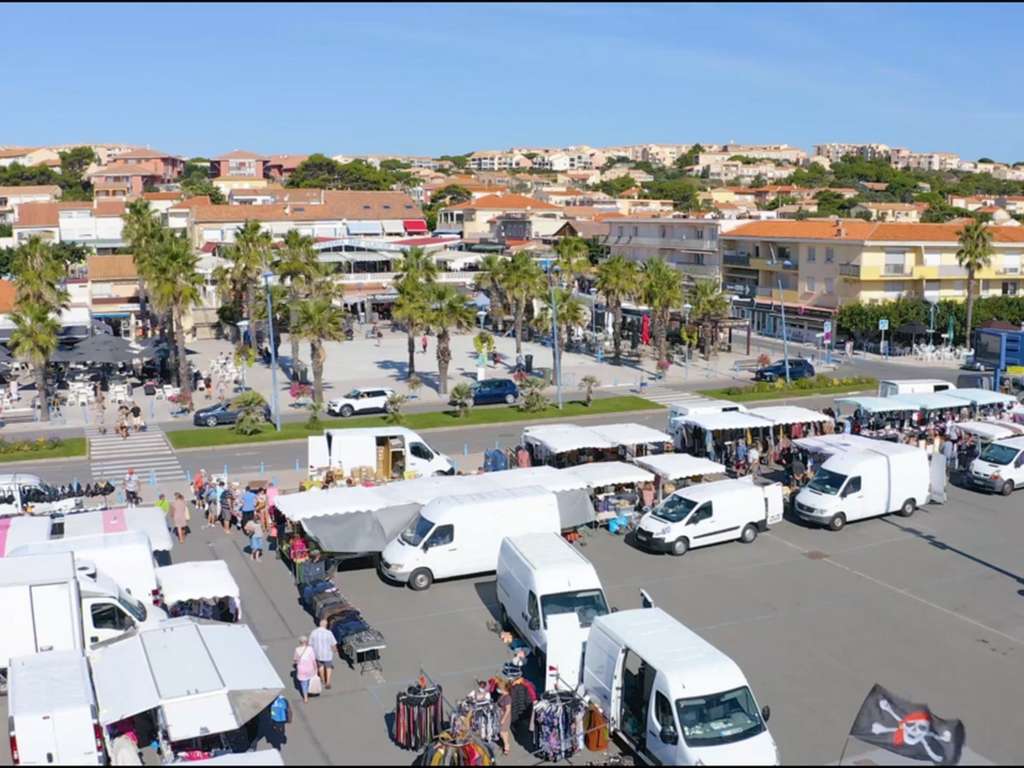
column 896, row 270
column 736, row 259
column 386, row 278
column 775, row 265
column 850, row 270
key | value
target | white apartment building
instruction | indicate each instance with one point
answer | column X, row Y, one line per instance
column 834, row 152
column 781, row 152
column 690, row 245
column 900, row 157
column 491, row 160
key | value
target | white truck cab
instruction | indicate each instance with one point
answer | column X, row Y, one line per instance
column 710, row 513
column 673, row 697
column 393, row 453
column 1000, row 467
column 890, row 387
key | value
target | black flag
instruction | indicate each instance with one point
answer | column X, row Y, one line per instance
column 908, row 729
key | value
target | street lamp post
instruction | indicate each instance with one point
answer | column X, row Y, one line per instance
column 785, row 338
column 273, row 351
column 554, row 336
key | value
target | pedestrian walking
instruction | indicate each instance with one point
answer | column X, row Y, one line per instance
column 247, row 506
column 504, row 716
column 423, row 343
column 304, row 660
column 136, row 413
column 212, row 492
column 324, row 644
column 131, row 488
column 164, row 506
column 256, row 538
column 227, row 506
column 180, row 516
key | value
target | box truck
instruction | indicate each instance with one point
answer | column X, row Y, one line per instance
column 392, row 453
column 710, row 513
column 461, row 535
column 671, row 696
column 855, row 485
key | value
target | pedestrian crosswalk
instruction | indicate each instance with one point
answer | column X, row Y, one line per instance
column 148, row 453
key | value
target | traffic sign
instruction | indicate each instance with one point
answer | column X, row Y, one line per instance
column 828, row 326
column 883, row 324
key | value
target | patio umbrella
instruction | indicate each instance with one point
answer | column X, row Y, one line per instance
column 68, row 355
column 104, row 349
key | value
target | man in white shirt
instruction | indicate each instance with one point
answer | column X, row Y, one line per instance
column 322, row 641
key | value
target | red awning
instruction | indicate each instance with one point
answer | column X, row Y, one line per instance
column 415, row 225
column 209, row 247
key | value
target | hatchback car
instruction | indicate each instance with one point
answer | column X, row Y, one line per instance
column 221, row 413
column 492, row 391
column 798, row 369
column 360, row 401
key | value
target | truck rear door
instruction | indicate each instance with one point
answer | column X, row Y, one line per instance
column 74, row 737
column 53, row 608
column 773, row 504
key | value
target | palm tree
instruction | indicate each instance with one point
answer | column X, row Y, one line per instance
column 462, row 398
column 571, row 313
column 297, row 263
column 617, row 280
column 661, row 290
column 142, row 231
column 414, row 286
column 39, row 275
column 251, row 255
column 573, row 259
column 318, row 321
column 491, row 279
column 589, row 382
column 175, row 285
column 449, row 311
column 34, row 340
column 709, row 304
column 974, row 254
column 523, row 280
column 251, row 407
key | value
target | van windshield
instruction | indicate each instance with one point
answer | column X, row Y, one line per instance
column 674, row 509
column 132, row 606
column 417, row 531
column 995, row 453
column 721, row 718
column 827, row 481
column 587, row 604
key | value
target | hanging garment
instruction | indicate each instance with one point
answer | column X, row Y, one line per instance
column 597, row 730
column 419, row 717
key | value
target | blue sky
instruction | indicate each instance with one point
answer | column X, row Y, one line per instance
column 432, row 79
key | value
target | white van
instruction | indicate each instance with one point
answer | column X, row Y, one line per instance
column 393, row 453
column 709, row 513
column 1000, row 467
column 461, row 535
column 673, row 697
column 541, row 575
column 52, row 716
column 860, row 484
column 890, row 387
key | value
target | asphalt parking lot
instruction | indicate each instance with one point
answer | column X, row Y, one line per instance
column 932, row 607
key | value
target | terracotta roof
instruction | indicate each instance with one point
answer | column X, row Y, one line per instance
column 240, row 154
column 585, row 228
column 113, row 267
column 894, row 206
column 505, row 203
column 287, row 161
column 147, row 168
column 38, row 215
column 857, row 230
column 145, row 154
column 8, row 291
column 192, row 203
column 161, row 195
column 15, row 151
column 337, row 205
column 31, row 189
column 108, row 208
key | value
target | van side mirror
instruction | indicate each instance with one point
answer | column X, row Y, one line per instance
column 668, row 735
column 534, row 624
column 766, row 713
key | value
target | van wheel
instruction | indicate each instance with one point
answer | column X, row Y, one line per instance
column 680, row 546
column 749, row 534
column 837, row 522
column 1007, row 488
column 510, row 399
column 421, row 579
column 908, row 508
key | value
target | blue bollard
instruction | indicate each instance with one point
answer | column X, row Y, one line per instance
column 465, row 449
column 296, row 465
column 152, row 477
column 262, row 469
column 225, row 473
column 497, row 444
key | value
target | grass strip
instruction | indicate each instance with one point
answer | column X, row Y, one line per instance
column 67, row 449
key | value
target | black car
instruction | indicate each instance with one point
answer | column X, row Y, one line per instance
column 491, row 391
column 798, row 369
column 221, row 413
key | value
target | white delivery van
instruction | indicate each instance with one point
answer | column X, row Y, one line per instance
column 1000, row 467
column 51, row 602
column 393, row 452
column 855, row 485
column 52, row 714
column 890, row 387
column 541, row 575
column 693, row 406
column 673, row 697
column 709, row 513
column 461, row 535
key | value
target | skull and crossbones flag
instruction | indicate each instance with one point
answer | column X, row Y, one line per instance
column 908, row 729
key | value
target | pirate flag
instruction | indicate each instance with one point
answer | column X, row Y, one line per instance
column 908, row 729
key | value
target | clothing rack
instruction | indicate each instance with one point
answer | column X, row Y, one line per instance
column 419, row 716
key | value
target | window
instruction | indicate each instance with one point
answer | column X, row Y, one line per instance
column 420, row 451
column 830, row 255
column 661, row 229
column 812, row 253
column 110, row 617
column 587, row 605
column 663, row 711
column 853, row 486
column 830, row 285
column 621, row 230
column 1010, row 288
column 442, row 536
column 636, row 231
column 721, row 718
column 703, row 513
column 531, row 608
column 811, row 285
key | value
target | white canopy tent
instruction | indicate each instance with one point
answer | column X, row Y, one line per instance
column 872, row 404
column 991, row 430
column 930, row 401
column 605, row 473
column 789, row 414
column 149, row 520
column 631, row 434
column 715, row 422
column 831, row 444
column 679, row 466
column 979, row 397
column 562, row 438
column 197, row 580
column 206, row 678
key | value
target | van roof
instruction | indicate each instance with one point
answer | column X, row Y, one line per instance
column 547, row 550
column 917, row 381
column 717, row 489
column 1012, row 442
column 487, row 500
column 55, row 681
column 373, row 431
column 46, row 567
column 701, row 404
column 674, row 649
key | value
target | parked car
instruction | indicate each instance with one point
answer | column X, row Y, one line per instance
column 221, row 413
column 798, row 369
column 360, row 401
column 492, row 391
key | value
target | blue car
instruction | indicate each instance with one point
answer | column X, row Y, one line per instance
column 492, row 391
column 220, row 413
column 798, row 369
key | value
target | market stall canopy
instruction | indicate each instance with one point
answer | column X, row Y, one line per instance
column 360, row 531
column 789, row 414
column 605, row 473
column 561, row 438
column 676, row 466
column 873, row 404
column 149, row 520
column 196, row 580
column 20, row 531
column 982, row 396
column 715, row 422
column 206, row 677
column 630, row 434
column 991, row 430
column 930, row 401
column 830, row 444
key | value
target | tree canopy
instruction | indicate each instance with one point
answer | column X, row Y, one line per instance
column 322, row 172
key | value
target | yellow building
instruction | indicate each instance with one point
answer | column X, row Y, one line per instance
column 817, row 265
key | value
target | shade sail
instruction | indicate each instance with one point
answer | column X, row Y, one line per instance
column 676, row 466
column 873, row 404
column 789, row 414
column 630, row 434
column 930, row 401
column 715, row 422
column 981, row 396
column 605, row 473
column 196, row 580
column 560, row 438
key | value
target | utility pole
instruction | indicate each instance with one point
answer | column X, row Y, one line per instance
column 785, row 338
